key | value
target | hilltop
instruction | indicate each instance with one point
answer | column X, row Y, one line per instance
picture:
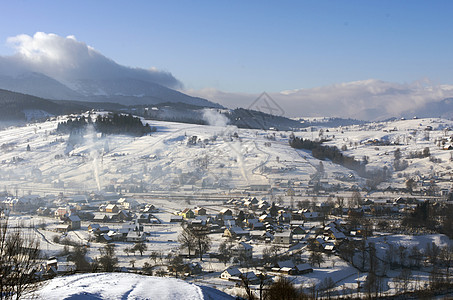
column 124, row 286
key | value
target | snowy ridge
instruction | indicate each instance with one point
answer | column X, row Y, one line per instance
column 123, row 286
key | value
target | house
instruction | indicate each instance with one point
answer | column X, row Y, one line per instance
column 115, row 235
column 236, row 232
column 97, row 229
column 263, row 205
column 103, row 229
column 200, row 211
column 265, row 218
column 132, row 227
column 43, row 211
column 101, row 218
column 226, row 212
column 176, row 219
column 335, row 234
column 303, row 269
column 285, row 238
column 149, row 208
column 144, row 218
column 105, row 238
column 48, row 270
column 257, row 234
column 122, row 216
column 251, row 203
column 187, row 214
column 285, row 267
column 243, row 249
column 74, row 221
column 230, row 273
column 63, row 228
column 251, row 277
column 135, row 236
column 255, row 224
column 112, row 208
column 128, row 203
column 312, row 216
column 193, row 268
column 63, row 212
column 93, row 227
column 298, row 230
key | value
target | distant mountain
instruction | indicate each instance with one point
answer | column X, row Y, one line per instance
column 125, row 91
column 443, row 108
column 39, row 85
column 17, row 107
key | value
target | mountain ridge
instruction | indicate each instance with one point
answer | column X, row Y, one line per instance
column 125, row 91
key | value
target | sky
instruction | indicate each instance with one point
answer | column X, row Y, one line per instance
column 254, row 46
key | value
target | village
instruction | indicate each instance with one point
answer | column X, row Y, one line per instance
column 250, row 238
column 237, row 209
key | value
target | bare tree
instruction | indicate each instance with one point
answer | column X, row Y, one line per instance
column 108, row 261
column 225, row 252
column 203, row 241
column 19, row 260
column 404, row 278
column 195, row 237
column 78, row 256
column 186, row 239
column 316, row 258
column 283, row 289
column 140, row 247
column 415, row 257
column 326, row 285
column 246, row 285
column 176, row 265
column 154, row 256
column 446, row 258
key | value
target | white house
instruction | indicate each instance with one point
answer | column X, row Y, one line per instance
column 230, row 273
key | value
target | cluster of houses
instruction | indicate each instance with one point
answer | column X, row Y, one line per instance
column 129, row 232
column 287, row 267
column 127, row 213
column 124, row 210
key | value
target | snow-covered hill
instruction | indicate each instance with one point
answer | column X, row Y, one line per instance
column 114, row 286
column 188, row 158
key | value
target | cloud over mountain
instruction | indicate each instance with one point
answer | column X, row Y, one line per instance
column 368, row 99
column 68, row 60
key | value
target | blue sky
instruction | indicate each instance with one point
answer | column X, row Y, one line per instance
column 254, row 46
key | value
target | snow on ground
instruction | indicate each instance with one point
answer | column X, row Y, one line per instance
column 123, row 286
column 223, row 158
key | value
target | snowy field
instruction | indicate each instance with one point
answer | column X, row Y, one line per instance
column 122, row 286
column 222, row 158
column 222, row 162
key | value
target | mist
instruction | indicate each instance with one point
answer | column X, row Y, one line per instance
column 367, row 100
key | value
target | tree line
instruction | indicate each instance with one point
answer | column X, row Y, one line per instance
column 107, row 124
column 332, row 153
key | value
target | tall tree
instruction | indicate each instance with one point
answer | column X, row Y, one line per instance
column 19, row 259
column 186, row 239
column 108, row 260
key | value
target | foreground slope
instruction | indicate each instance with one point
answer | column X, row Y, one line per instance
column 123, row 286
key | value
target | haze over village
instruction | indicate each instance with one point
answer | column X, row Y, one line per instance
column 226, row 171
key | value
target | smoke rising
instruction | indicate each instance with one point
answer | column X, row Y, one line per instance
column 94, row 153
column 214, row 118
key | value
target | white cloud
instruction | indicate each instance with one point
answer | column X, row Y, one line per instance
column 367, row 99
column 66, row 59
